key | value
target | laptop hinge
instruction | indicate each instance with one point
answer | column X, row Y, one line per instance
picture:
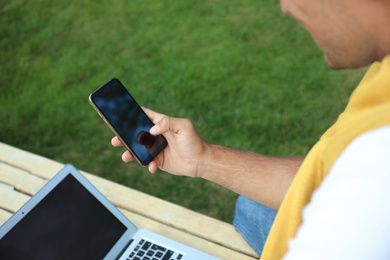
column 124, row 249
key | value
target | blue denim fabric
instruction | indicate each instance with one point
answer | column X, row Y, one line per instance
column 253, row 221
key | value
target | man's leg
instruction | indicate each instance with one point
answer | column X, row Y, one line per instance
column 253, row 221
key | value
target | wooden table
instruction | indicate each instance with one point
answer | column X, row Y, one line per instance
column 23, row 173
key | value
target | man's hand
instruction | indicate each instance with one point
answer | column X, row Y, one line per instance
column 262, row 178
column 185, row 150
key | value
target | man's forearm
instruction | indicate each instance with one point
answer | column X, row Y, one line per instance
column 261, row 178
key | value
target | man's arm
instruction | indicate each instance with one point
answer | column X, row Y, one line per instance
column 261, row 178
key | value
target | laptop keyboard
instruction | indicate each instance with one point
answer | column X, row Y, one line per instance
column 146, row 250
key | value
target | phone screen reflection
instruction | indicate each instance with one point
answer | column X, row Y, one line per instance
column 129, row 121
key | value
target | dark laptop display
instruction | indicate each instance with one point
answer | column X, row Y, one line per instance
column 69, row 223
column 68, row 218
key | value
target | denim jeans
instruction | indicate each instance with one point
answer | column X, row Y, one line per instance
column 253, row 221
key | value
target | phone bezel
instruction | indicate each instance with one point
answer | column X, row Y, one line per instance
column 158, row 150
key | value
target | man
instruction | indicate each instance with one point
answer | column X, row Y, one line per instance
column 333, row 203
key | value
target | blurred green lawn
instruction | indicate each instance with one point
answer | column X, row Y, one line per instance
column 246, row 75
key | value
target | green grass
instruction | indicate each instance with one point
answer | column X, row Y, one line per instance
column 246, row 75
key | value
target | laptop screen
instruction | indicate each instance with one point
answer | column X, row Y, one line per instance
column 69, row 223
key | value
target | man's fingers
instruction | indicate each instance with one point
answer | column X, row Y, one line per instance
column 165, row 123
column 116, row 142
column 175, row 125
column 152, row 167
column 127, row 157
column 161, row 121
column 153, row 115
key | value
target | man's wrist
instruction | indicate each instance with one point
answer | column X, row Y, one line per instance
column 205, row 160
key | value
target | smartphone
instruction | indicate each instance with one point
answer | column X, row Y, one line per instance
column 127, row 120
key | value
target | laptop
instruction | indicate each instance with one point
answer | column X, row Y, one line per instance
column 70, row 219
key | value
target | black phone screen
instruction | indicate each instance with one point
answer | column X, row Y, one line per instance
column 128, row 120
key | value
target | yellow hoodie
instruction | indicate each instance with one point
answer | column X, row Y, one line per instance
column 368, row 108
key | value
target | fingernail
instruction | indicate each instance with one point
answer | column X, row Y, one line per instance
column 154, row 129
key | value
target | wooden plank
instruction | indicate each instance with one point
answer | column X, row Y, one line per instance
column 11, row 200
column 20, row 179
column 173, row 215
column 30, row 162
column 134, row 201
column 4, row 216
column 6, row 186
